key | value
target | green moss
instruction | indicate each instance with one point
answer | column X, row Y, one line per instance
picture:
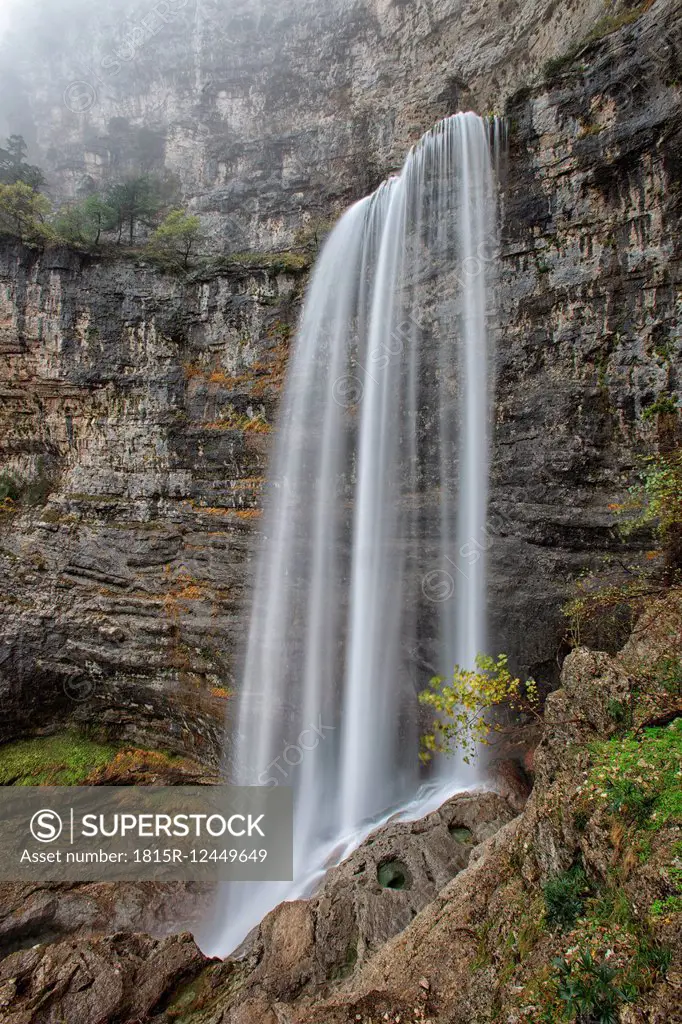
column 670, row 905
column 461, row 834
column 553, row 67
column 664, row 406
column 195, row 1001
column 612, row 22
column 393, row 874
column 63, row 760
column 483, row 956
column 580, row 819
column 345, row 969
column 638, row 776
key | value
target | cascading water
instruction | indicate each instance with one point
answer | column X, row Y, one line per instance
column 371, row 575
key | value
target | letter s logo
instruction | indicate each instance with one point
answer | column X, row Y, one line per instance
column 46, row 826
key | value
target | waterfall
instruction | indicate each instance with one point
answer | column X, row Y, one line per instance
column 371, row 573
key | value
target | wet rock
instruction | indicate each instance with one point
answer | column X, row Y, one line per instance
column 125, row 559
column 511, row 780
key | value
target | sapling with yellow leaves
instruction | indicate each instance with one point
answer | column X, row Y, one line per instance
column 467, row 707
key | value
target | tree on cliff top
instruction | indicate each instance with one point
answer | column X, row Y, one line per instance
column 23, row 212
column 133, row 201
column 176, row 236
column 83, row 223
column 13, row 165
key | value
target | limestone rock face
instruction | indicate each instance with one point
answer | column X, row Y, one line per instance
column 118, row 977
column 32, row 914
column 271, row 114
column 372, row 895
column 589, row 308
column 135, row 416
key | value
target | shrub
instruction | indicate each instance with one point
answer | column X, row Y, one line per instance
column 176, row 237
column 463, row 706
column 588, row 990
column 23, row 212
column 630, row 800
column 33, row 490
column 663, row 406
column 83, row 223
column 564, row 897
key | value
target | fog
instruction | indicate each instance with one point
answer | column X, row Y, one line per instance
column 60, row 58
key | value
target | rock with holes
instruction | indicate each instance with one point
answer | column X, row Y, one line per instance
column 374, row 894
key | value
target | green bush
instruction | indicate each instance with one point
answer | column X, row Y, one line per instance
column 23, row 213
column 82, row 223
column 564, row 897
column 651, row 957
column 630, row 800
column 465, row 705
column 663, row 406
column 176, row 237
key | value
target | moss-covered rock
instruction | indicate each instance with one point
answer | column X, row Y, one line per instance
column 72, row 759
column 66, row 759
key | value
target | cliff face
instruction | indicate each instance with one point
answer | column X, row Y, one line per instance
column 137, row 407
column 270, row 112
column 135, row 418
column 590, row 332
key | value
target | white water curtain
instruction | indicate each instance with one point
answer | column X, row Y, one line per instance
column 371, row 574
